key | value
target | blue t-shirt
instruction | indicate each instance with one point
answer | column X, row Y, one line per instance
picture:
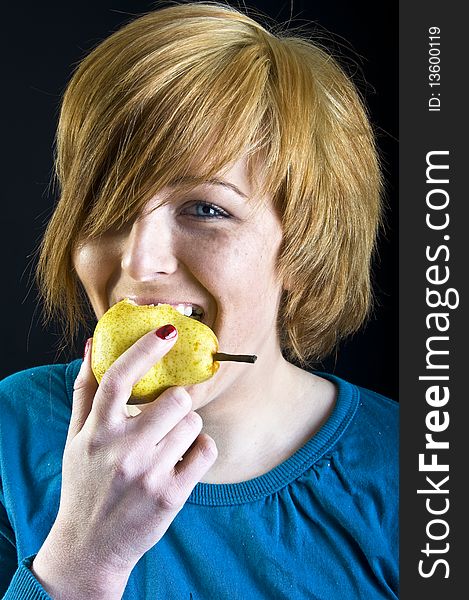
column 321, row 525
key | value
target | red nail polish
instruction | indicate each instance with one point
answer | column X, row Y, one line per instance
column 87, row 347
column 167, row 332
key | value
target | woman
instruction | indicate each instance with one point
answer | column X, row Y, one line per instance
column 207, row 162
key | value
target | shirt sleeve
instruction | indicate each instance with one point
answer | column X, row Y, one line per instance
column 24, row 586
column 16, row 581
column 8, row 561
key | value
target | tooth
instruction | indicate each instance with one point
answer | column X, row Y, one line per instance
column 188, row 311
column 180, row 308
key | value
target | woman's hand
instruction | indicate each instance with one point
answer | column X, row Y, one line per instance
column 122, row 478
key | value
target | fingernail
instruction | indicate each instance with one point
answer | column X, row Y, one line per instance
column 87, row 347
column 167, row 332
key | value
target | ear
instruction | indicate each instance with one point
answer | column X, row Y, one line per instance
column 287, row 285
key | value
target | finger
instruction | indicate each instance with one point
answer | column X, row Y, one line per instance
column 196, row 462
column 84, row 389
column 187, row 473
column 160, row 417
column 178, row 441
column 116, row 385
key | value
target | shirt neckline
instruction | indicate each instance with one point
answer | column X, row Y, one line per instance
column 227, row 494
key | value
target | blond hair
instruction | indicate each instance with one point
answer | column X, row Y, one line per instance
column 187, row 90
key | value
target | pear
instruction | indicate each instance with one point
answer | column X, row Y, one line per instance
column 193, row 358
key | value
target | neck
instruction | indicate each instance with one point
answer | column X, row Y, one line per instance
column 263, row 418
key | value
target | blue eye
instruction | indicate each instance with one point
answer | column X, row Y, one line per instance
column 205, row 210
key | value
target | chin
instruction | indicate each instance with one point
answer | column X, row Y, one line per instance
column 201, row 394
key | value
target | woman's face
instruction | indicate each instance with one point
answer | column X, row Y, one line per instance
column 214, row 248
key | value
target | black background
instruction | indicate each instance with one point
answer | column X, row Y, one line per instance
column 44, row 43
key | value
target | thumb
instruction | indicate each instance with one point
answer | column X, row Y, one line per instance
column 84, row 389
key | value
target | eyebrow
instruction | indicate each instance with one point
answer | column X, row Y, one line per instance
column 226, row 184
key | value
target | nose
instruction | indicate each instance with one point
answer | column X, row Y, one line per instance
column 149, row 249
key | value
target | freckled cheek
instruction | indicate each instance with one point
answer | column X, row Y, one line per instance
column 243, row 282
column 94, row 269
column 227, row 268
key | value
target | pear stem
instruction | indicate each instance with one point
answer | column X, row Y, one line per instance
column 245, row 358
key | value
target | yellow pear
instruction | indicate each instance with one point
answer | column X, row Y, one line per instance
column 192, row 359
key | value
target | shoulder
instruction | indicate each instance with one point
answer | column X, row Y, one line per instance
column 35, row 410
column 28, row 392
column 377, row 422
column 357, row 479
column 368, row 449
column 369, row 413
column 366, row 441
column 379, row 413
